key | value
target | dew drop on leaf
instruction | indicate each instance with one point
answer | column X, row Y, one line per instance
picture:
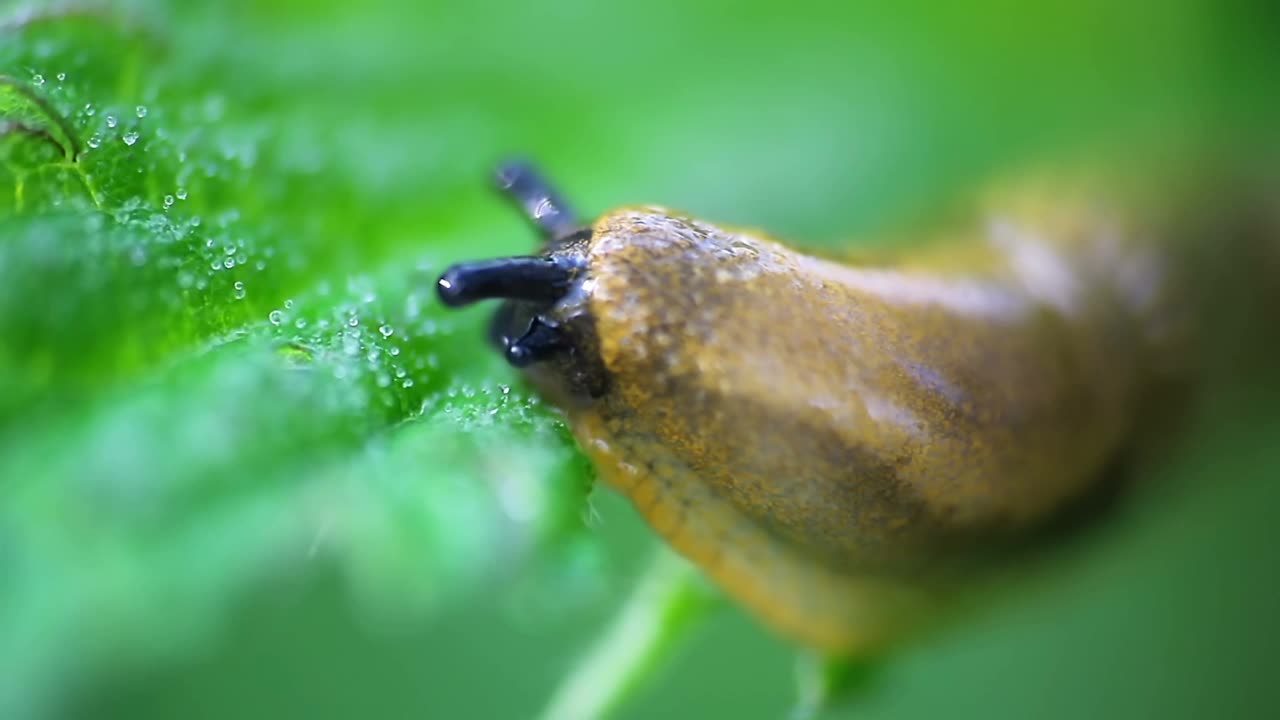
column 275, row 316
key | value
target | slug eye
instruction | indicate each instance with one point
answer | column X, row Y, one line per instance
column 530, row 285
column 523, row 337
column 538, row 343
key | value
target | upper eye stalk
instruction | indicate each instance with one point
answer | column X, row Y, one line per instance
column 538, row 281
column 538, row 200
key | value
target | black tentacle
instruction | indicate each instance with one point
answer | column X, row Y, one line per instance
column 528, row 279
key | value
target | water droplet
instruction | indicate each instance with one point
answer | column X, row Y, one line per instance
column 95, row 141
column 400, row 372
column 168, row 201
column 288, row 303
column 300, row 323
column 90, row 110
column 62, row 77
column 208, row 243
column 275, row 316
column 260, row 265
column 141, row 110
column 111, row 121
column 394, row 350
column 229, row 249
column 386, row 330
column 229, row 263
column 181, row 193
column 241, row 258
column 196, row 221
column 130, row 138
column 38, row 79
column 215, row 265
column 408, row 383
column 354, row 321
column 240, row 291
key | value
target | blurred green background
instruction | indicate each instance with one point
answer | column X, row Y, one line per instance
column 249, row 468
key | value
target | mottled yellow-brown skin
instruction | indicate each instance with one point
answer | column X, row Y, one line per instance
column 833, row 442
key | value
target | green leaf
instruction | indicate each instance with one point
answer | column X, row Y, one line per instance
column 215, row 370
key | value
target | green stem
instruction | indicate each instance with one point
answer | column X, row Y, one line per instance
column 824, row 680
column 670, row 602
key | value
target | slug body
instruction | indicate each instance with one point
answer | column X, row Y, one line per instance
column 837, row 444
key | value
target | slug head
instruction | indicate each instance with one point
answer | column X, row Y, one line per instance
column 542, row 325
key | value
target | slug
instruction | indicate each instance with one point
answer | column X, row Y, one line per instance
column 837, row 442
